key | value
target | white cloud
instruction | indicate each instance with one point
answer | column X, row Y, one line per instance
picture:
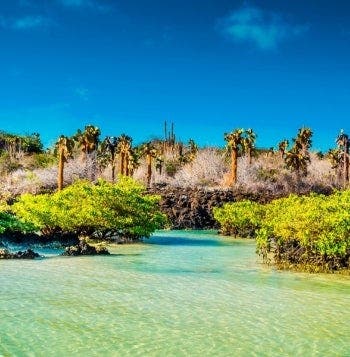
column 25, row 23
column 265, row 29
column 29, row 22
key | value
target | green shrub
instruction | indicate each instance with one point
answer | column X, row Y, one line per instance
column 311, row 232
column 104, row 209
column 303, row 232
column 43, row 160
column 31, row 143
column 9, row 224
column 171, row 167
column 239, row 219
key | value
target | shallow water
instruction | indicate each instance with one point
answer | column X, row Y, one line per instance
column 181, row 293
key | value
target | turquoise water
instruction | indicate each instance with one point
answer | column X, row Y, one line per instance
column 180, row 294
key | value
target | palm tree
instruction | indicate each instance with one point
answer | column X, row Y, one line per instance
column 64, row 146
column 108, row 150
column 10, row 143
column 248, row 143
column 298, row 158
column 343, row 143
column 282, row 147
column 192, row 150
column 234, row 143
column 303, row 140
column 88, row 139
column 150, row 152
column 124, row 148
column 133, row 161
column 335, row 156
column 88, row 142
column 296, row 161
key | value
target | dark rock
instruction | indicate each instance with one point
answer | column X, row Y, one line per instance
column 5, row 254
column 65, row 239
column 191, row 208
column 27, row 254
column 84, row 249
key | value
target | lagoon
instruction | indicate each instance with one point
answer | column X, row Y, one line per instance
column 178, row 294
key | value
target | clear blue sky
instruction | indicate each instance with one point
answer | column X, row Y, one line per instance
column 207, row 65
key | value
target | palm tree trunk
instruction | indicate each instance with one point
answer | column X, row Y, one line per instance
column 346, row 165
column 149, row 169
column 113, row 166
column 233, row 166
column 85, row 152
column 126, row 164
column 113, row 172
column 249, row 152
column 122, row 155
column 61, row 160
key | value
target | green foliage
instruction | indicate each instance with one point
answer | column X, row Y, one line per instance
column 171, row 167
column 43, row 160
column 297, row 158
column 234, row 139
column 15, row 143
column 308, row 232
column 239, row 219
column 103, row 209
column 9, row 224
column 267, row 174
column 31, row 143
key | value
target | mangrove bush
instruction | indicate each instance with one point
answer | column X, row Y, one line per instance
column 239, row 219
column 97, row 210
column 304, row 232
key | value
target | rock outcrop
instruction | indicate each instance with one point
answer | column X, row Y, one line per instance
column 84, row 249
column 27, row 254
column 191, row 208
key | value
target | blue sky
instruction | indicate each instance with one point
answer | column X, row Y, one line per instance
column 207, row 65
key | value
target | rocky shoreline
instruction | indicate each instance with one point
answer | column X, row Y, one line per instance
column 191, row 207
column 84, row 248
column 27, row 254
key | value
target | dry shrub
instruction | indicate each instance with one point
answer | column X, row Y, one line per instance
column 141, row 172
column 207, row 169
column 39, row 180
column 268, row 173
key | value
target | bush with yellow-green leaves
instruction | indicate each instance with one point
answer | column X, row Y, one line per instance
column 97, row 210
column 239, row 219
column 304, row 232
